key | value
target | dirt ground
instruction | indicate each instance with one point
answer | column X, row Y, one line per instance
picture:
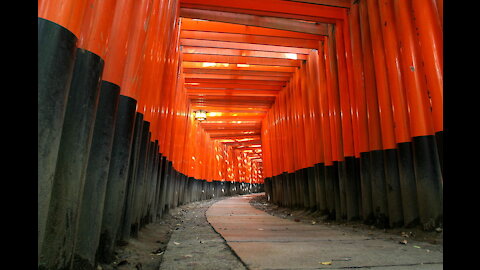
column 395, row 234
column 183, row 239
column 146, row 251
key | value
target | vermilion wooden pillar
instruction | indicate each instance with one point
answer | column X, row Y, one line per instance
column 425, row 157
column 385, row 168
column 400, row 113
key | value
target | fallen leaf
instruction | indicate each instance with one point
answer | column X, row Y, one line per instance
column 416, row 247
column 314, row 222
column 326, row 263
column 176, row 243
column 403, row 242
column 188, row 256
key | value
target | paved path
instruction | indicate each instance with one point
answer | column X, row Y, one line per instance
column 263, row 241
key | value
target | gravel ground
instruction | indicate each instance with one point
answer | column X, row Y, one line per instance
column 183, row 239
column 403, row 235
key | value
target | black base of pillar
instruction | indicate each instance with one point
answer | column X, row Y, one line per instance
column 429, row 182
column 117, row 178
column 366, row 187
column 394, row 196
column 56, row 59
column 379, row 188
column 352, row 191
column 330, row 192
column 72, row 160
column 96, row 178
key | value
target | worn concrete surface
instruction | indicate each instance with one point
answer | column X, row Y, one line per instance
column 263, row 241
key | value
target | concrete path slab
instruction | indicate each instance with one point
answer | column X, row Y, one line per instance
column 263, row 241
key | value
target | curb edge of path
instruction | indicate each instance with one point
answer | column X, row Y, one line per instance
column 224, row 240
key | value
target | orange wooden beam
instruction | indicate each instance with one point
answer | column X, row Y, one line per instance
column 249, row 93
column 253, row 20
column 237, row 52
column 250, row 39
column 226, row 66
column 270, row 6
column 231, row 86
column 233, row 109
column 333, row 3
column 240, row 60
column 220, row 27
column 233, row 77
column 242, row 46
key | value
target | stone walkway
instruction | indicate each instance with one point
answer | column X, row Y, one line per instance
column 263, row 241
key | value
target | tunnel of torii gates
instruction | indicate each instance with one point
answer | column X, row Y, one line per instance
column 329, row 105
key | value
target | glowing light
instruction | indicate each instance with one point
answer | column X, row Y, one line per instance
column 245, row 140
column 291, row 56
column 200, row 115
column 243, row 65
column 215, row 114
column 208, row 64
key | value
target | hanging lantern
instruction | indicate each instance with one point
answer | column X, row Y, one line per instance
column 200, row 115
